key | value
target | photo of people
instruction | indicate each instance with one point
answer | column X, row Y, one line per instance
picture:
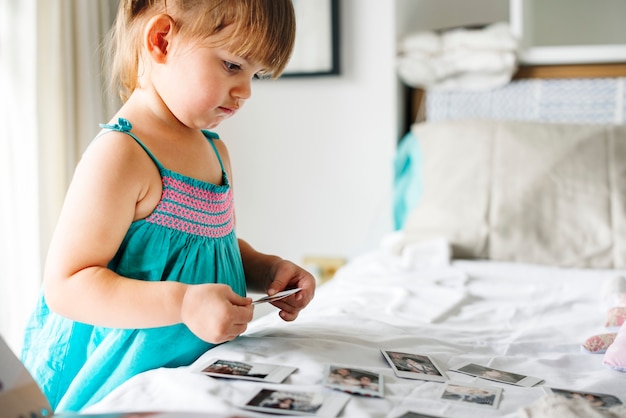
column 471, row 394
column 286, row 400
column 247, row 371
column 352, row 380
column 229, row 367
column 290, row 402
column 489, row 373
column 496, row 375
column 600, row 400
column 414, row 366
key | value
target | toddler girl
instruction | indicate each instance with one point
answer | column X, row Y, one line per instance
column 144, row 269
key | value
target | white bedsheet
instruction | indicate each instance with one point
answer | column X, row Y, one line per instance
column 525, row 319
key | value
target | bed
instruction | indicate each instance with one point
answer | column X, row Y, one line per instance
column 510, row 253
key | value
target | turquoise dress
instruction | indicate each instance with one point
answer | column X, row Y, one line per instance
column 189, row 238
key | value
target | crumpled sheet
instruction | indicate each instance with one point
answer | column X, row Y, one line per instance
column 521, row 318
column 553, row 406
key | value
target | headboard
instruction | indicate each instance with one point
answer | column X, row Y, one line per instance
column 534, row 171
column 416, row 97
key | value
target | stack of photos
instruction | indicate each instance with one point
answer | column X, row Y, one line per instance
column 277, row 296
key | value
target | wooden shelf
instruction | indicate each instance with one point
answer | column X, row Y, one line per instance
column 572, row 71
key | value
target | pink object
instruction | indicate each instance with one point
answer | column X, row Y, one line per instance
column 598, row 344
column 615, row 317
column 615, row 356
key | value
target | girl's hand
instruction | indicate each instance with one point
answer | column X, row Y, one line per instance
column 215, row 313
column 287, row 275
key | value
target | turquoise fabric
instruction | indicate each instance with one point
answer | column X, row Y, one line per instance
column 407, row 178
column 186, row 239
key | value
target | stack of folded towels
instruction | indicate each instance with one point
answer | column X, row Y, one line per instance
column 459, row 59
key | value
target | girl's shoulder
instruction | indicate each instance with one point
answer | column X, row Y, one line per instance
column 117, row 148
column 116, row 168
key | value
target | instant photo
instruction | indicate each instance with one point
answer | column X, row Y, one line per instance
column 474, row 395
column 496, row 375
column 277, row 296
column 600, row 400
column 414, row 366
column 258, row 372
column 351, row 380
column 286, row 402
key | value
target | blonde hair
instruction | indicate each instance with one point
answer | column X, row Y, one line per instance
column 264, row 32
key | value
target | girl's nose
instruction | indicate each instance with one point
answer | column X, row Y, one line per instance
column 243, row 90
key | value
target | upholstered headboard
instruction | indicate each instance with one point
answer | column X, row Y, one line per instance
column 532, row 172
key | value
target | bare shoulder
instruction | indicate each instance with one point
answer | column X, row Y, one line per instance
column 118, row 155
column 114, row 148
column 115, row 164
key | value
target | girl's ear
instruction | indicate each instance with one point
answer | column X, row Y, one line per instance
column 157, row 37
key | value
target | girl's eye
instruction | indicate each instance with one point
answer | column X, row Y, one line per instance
column 231, row 67
column 261, row 76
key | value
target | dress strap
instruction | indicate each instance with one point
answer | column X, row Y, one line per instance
column 211, row 136
column 124, row 126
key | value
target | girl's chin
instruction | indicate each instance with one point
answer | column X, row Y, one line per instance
column 215, row 123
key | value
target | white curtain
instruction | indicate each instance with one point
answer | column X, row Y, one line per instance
column 53, row 95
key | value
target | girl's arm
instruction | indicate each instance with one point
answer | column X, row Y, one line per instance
column 116, row 183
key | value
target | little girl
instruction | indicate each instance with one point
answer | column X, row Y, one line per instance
column 144, row 269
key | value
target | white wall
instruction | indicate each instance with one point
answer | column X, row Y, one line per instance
column 312, row 157
column 415, row 15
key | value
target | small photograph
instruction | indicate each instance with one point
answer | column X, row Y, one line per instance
column 287, row 402
column 600, row 400
column 496, row 375
column 351, row 380
column 414, row 366
column 247, row 371
column 469, row 394
column 277, row 296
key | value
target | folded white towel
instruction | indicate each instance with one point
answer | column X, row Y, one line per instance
column 460, row 69
column 469, row 59
column 425, row 42
column 494, row 37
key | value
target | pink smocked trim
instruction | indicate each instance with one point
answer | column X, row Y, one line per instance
column 194, row 210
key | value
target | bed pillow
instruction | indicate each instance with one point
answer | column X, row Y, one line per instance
column 543, row 193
